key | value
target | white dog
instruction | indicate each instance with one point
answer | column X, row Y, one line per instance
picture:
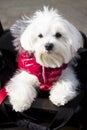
column 46, row 44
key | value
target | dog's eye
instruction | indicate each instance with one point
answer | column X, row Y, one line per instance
column 40, row 35
column 58, row 35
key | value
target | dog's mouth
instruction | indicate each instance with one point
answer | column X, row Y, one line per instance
column 50, row 59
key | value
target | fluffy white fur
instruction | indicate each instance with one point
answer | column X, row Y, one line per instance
column 47, row 23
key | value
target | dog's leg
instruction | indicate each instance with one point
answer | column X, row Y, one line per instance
column 21, row 90
column 65, row 89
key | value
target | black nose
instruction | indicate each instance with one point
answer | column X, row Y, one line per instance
column 49, row 46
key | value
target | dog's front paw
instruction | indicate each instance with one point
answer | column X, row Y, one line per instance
column 19, row 105
column 57, row 100
column 60, row 95
column 21, row 99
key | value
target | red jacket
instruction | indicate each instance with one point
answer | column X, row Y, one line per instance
column 46, row 76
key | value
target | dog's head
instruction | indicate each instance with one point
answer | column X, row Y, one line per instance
column 53, row 40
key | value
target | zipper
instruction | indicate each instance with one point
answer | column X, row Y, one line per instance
column 43, row 74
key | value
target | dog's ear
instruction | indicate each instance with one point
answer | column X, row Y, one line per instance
column 17, row 29
column 20, row 25
column 84, row 39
